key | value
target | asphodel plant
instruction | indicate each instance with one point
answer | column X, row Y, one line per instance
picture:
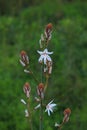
column 45, row 62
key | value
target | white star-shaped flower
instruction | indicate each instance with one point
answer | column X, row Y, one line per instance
column 44, row 56
column 50, row 107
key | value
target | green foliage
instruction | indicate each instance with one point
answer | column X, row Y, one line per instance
column 68, row 82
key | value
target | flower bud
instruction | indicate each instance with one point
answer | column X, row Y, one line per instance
column 48, row 31
column 40, row 90
column 67, row 113
column 27, row 89
column 24, row 58
column 49, row 27
column 49, row 66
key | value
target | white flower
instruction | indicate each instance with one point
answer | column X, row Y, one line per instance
column 50, row 107
column 44, row 56
column 26, row 113
column 22, row 100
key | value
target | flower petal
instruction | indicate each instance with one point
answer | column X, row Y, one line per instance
column 37, row 106
column 48, row 58
column 53, row 105
column 50, row 53
column 48, row 112
column 45, row 59
column 26, row 113
column 41, row 58
column 50, row 102
column 23, row 64
column 40, row 52
column 22, row 100
column 26, row 71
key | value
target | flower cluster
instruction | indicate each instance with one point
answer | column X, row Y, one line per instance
column 46, row 59
column 44, row 53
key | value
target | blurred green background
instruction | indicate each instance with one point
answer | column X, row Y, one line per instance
column 21, row 24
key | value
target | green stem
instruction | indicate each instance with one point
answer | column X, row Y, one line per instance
column 41, row 115
column 35, row 77
column 29, row 117
column 60, row 127
column 46, row 84
column 31, row 72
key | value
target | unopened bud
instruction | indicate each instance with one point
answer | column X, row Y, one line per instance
column 49, row 27
column 67, row 113
column 27, row 89
column 48, row 31
column 40, row 90
column 24, row 58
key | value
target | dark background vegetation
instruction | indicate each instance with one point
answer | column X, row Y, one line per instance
column 21, row 24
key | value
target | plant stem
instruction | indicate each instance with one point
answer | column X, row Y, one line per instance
column 41, row 73
column 31, row 72
column 34, row 76
column 41, row 115
column 46, row 84
column 29, row 117
column 60, row 127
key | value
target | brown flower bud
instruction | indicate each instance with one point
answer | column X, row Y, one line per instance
column 40, row 90
column 27, row 89
column 49, row 27
column 24, row 58
column 67, row 113
column 48, row 31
